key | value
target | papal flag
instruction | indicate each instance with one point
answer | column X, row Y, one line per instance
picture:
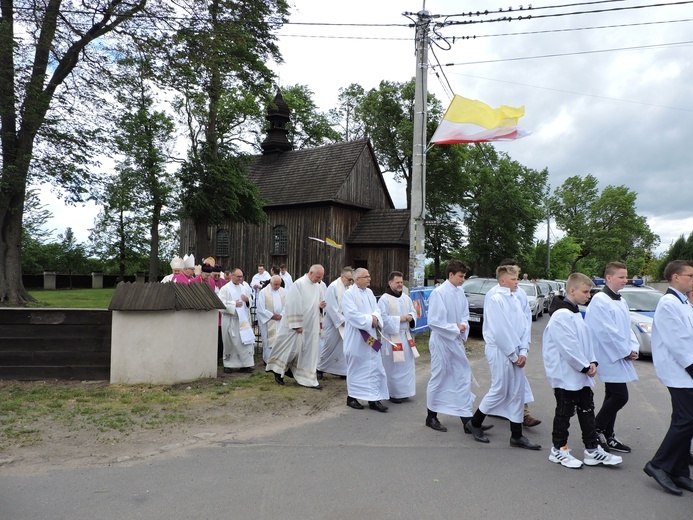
column 472, row 121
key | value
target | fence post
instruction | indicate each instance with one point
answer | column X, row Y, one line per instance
column 97, row 280
column 49, row 280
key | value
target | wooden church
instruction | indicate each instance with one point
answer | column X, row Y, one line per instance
column 335, row 191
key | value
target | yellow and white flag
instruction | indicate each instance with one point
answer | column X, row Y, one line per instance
column 472, row 121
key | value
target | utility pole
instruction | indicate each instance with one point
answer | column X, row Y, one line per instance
column 548, row 244
column 417, row 231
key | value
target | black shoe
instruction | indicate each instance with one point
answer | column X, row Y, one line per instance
column 342, row 377
column 320, row 375
column 289, row 373
column 377, row 405
column 616, row 445
column 396, row 401
column 662, row 478
column 279, row 379
column 433, row 422
column 247, row 370
column 318, row 387
column 477, row 433
column 484, row 427
column 353, row 403
column 524, row 442
column 227, row 370
column 683, row 482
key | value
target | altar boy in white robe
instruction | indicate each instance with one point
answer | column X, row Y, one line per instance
column 366, row 378
column 237, row 332
column 332, row 349
column 449, row 389
column 506, row 333
column 398, row 355
column 296, row 351
column 270, row 303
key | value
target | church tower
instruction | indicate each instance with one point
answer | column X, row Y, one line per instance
column 278, row 115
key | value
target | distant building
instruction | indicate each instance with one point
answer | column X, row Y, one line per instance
column 335, row 191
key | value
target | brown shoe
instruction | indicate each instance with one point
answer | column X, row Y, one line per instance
column 530, row 421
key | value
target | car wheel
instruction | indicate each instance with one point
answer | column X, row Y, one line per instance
column 534, row 317
column 541, row 313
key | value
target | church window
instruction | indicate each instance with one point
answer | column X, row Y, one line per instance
column 222, row 242
column 280, row 239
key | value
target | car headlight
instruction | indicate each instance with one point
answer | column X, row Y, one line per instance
column 645, row 327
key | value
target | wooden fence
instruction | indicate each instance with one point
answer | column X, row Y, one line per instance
column 37, row 344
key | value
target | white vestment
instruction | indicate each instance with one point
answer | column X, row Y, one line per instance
column 167, row 279
column 399, row 365
column 366, row 378
column 506, row 333
column 332, row 349
column 608, row 321
column 288, row 281
column 298, row 350
column 269, row 303
column 449, row 389
column 236, row 331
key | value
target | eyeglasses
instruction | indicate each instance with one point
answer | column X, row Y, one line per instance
column 350, row 280
column 690, row 275
column 364, row 277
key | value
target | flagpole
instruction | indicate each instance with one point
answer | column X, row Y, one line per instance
column 417, row 231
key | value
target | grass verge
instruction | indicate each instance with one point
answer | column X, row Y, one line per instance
column 73, row 298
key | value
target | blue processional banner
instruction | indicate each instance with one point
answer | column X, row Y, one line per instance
column 419, row 298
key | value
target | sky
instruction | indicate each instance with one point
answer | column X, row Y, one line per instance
column 605, row 93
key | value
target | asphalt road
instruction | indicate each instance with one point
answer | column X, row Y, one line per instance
column 368, row 465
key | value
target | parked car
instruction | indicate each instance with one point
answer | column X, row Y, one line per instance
column 535, row 298
column 475, row 290
column 642, row 302
column 548, row 293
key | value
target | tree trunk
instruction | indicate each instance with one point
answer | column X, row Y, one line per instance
column 154, row 245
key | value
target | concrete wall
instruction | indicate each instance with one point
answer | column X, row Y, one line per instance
column 163, row 347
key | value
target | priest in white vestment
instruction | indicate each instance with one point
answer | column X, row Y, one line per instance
column 449, row 389
column 366, row 378
column 286, row 277
column 506, row 333
column 400, row 351
column 237, row 332
column 332, row 358
column 270, row 303
column 296, row 350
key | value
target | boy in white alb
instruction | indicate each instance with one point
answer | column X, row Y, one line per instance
column 615, row 345
column 570, row 366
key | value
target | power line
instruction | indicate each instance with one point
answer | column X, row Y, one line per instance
column 574, row 93
column 578, row 53
column 569, row 29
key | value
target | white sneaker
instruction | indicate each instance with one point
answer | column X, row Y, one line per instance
column 564, row 458
column 599, row 456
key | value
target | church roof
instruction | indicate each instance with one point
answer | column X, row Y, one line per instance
column 382, row 227
column 309, row 176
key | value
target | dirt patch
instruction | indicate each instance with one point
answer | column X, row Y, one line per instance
column 243, row 414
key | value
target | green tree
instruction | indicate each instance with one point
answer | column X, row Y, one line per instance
column 502, row 206
column 345, row 117
column 605, row 226
column 143, row 136
column 41, row 46
column 217, row 63
column 308, row 127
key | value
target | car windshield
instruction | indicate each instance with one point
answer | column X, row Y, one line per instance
column 645, row 300
column 478, row 285
column 530, row 289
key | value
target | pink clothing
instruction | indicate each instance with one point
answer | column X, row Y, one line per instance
column 181, row 278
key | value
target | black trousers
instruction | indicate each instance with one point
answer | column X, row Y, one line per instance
column 615, row 398
column 672, row 455
column 567, row 402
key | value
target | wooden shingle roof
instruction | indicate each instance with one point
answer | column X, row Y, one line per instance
column 308, row 176
column 382, row 227
column 164, row 297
